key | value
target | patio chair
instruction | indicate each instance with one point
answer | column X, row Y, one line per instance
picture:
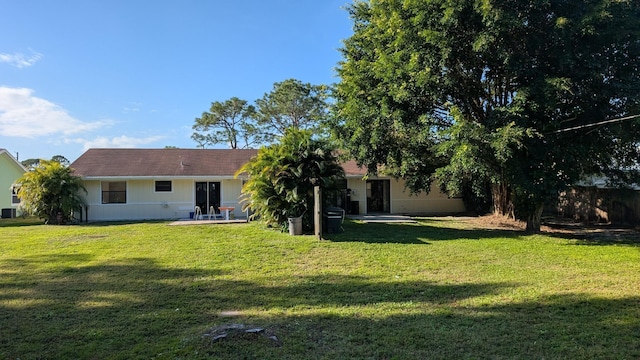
column 197, row 214
column 212, row 213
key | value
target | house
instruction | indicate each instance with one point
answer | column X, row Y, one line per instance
column 10, row 171
column 137, row 184
column 386, row 194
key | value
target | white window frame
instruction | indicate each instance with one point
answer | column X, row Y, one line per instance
column 102, row 191
column 15, row 200
column 155, row 186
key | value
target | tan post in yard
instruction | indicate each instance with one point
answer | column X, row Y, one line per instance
column 317, row 211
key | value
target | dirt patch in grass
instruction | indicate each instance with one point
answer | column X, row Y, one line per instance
column 608, row 233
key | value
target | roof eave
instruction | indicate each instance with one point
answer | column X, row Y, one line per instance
column 159, row 177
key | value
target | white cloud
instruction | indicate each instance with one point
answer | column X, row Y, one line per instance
column 20, row 60
column 25, row 115
column 135, row 107
column 116, row 142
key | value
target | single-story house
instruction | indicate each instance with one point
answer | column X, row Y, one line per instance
column 137, row 184
column 10, row 171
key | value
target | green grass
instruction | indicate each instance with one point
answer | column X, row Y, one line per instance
column 431, row 290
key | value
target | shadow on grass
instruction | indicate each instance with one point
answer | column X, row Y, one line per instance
column 610, row 238
column 124, row 222
column 31, row 221
column 557, row 327
column 68, row 307
column 593, row 235
column 610, row 241
column 412, row 233
column 21, row 222
column 61, row 306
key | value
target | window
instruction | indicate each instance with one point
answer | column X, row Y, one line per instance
column 15, row 200
column 163, row 186
column 114, row 192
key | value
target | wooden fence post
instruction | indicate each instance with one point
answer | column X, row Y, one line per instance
column 317, row 211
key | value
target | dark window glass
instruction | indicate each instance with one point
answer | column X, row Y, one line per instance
column 14, row 197
column 163, row 186
column 114, row 192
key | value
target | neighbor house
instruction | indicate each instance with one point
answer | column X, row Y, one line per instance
column 10, row 171
column 136, row 184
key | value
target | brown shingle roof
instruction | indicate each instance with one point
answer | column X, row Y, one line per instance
column 171, row 162
column 161, row 162
column 351, row 168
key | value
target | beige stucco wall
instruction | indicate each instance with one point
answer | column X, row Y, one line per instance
column 230, row 193
column 143, row 202
column 358, row 193
column 435, row 202
column 9, row 173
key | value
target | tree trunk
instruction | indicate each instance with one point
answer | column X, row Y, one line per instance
column 535, row 218
column 501, row 198
column 56, row 217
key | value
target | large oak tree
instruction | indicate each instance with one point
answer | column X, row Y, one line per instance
column 481, row 94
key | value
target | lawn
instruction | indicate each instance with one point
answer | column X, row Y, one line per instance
column 436, row 289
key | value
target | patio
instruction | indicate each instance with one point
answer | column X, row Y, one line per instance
column 204, row 222
column 382, row 218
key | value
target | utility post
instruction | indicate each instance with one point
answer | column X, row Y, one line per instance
column 317, row 211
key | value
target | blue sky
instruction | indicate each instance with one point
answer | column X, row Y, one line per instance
column 77, row 74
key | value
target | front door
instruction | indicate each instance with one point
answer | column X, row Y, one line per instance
column 207, row 195
column 378, row 196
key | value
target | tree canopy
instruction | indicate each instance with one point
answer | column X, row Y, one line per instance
column 33, row 163
column 478, row 95
column 61, row 159
column 239, row 124
column 282, row 177
column 229, row 122
column 30, row 163
column 292, row 104
column 51, row 192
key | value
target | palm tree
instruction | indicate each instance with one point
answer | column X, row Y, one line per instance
column 282, row 177
column 51, row 192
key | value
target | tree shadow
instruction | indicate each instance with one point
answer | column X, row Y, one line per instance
column 63, row 306
column 69, row 306
column 66, row 306
column 555, row 327
column 20, row 222
column 340, row 290
column 599, row 239
column 123, row 222
column 412, row 233
column 594, row 235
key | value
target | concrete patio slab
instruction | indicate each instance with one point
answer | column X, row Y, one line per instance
column 382, row 218
column 184, row 222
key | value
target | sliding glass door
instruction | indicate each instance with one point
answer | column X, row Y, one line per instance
column 378, row 196
column 207, row 195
